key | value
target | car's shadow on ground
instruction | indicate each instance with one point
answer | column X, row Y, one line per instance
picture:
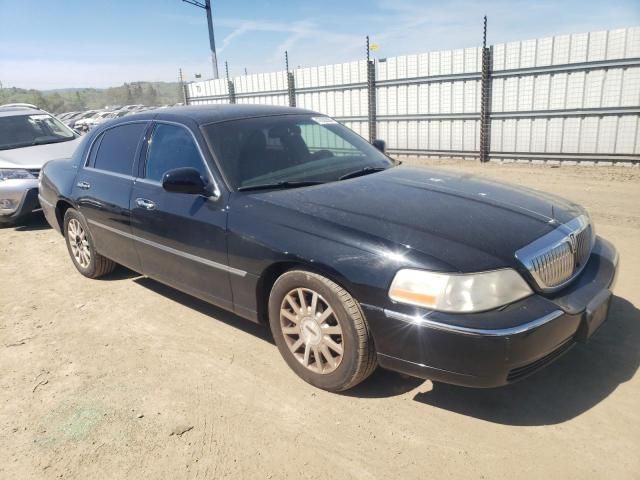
column 578, row 381
column 120, row 273
column 31, row 223
column 382, row 383
column 258, row 331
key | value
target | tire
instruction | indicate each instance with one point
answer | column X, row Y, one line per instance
column 305, row 334
column 81, row 247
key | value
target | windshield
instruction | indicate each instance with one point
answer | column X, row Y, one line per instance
column 290, row 149
column 26, row 130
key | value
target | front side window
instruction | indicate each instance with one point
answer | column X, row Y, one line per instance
column 172, row 146
column 288, row 149
column 117, row 148
column 17, row 131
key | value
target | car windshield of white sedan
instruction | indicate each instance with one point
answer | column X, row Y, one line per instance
column 18, row 131
column 290, row 150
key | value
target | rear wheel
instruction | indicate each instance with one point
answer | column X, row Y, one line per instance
column 80, row 246
column 320, row 331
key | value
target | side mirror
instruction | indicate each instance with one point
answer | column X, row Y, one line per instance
column 380, row 145
column 185, row 180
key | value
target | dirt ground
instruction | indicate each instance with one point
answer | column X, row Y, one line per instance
column 126, row 378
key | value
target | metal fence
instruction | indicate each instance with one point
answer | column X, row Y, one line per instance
column 569, row 97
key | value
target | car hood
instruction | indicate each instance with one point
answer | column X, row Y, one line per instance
column 38, row 155
column 432, row 218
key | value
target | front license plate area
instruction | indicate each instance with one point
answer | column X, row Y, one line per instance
column 594, row 315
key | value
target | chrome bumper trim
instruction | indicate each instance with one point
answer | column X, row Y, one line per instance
column 500, row 332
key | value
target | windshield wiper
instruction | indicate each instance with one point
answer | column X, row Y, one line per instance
column 361, row 172
column 14, row 145
column 268, row 186
column 51, row 140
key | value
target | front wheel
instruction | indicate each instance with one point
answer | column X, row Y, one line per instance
column 320, row 331
column 81, row 248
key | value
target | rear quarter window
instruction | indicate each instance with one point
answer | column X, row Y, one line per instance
column 117, row 147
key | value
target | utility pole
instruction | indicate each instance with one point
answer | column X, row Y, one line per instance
column 291, row 83
column 183, row 88
column 212, row 43
column 371, row 95
column 231, row 87
column 485, row 97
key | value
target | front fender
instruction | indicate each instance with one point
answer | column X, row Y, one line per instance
column 261, row 236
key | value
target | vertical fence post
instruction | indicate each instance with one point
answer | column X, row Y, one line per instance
column 230, row 85
column 371, row 95
column 183, row 88
column 485, row 100
column 291, row 83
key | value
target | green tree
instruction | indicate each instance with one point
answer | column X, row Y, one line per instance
column 155, row 93
column 129, row 94
column 151, row 97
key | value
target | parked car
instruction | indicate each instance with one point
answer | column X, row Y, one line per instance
column 132, row 107
column 64, row 116
column 74, row 120
column 97, row 119
column 29, row 137
column 87, row 123
column 288, row 218
column 69, row 120
column 113, row 115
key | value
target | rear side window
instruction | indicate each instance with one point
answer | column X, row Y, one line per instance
column 172, row 147
column 91, row 161
column 118, row 147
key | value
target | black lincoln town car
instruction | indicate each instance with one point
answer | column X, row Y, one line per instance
column 288, row 218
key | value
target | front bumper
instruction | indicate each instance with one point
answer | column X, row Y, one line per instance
column 524, row 336
column 18, row 198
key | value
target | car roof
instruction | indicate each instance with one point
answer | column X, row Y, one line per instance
column 203, row 114
column 19, row 110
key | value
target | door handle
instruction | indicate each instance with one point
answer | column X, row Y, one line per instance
column 146, row 204
column 83, row 185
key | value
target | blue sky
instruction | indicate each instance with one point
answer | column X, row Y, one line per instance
column 98, row 43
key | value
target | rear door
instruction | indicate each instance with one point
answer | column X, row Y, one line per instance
column 103, row 190
column 181, row 238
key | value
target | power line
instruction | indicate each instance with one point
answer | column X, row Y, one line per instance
column 195, row 3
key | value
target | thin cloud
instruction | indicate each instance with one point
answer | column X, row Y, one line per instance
column 316, row 35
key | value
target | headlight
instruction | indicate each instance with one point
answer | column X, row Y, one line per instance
column 461, row 293
column 14, row 174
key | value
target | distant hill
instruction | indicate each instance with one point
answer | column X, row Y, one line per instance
column 73, row 99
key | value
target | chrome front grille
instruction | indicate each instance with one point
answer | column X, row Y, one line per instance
column 554, row 266
column 584, row 244
column 556, row 258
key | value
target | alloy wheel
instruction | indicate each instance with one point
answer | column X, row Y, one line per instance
column 311, row 330
column 79, row 243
